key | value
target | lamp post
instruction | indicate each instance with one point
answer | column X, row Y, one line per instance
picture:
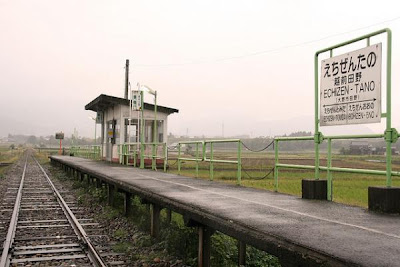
column 94, row 129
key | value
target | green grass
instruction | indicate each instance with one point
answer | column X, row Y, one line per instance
column 9, row 156
column 348, row 188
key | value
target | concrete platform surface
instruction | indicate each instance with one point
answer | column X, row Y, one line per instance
column 287, row 226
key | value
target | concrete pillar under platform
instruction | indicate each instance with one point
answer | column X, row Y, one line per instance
column 242, row 253
column 128, row 204
column 155, row 220
column 314, row 189
column 204, row 253
column 384, row 199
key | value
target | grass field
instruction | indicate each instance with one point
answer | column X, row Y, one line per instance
column 348, row 188
column 8, row 156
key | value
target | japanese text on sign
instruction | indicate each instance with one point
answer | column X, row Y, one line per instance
column 350, row 91
column 136, row 101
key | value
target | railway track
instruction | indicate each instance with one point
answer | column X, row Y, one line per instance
column 42, row 226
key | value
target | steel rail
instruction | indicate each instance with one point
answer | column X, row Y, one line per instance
column 5, row 256
column 93, row 254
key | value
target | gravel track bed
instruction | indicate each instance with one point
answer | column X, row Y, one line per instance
column 43, row 234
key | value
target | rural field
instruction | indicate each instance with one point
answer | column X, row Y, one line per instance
column 348, row 188
column 7, row 157
column 257, row 171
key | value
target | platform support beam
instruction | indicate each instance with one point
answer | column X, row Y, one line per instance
column 128, row 204
column 98, row 183
column 204, row 253
column 111, row 194
column 242, row 253
column 169, row 215
column 155, row 220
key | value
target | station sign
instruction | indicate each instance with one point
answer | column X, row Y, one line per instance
column 60, row 135
column 99, row 117
column 136, row 101
column 350, row 88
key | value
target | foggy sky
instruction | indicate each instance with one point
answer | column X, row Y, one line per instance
column 230, row 67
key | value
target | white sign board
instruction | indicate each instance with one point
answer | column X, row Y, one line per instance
column 350, row 91
column 99, row 117
column 136, row 101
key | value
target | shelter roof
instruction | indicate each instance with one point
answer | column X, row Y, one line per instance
column 103, row 102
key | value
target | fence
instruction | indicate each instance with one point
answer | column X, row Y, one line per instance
column 211, row 159
column 128, row 154
column 92, row 152
column 329, row 168
column 196, row 159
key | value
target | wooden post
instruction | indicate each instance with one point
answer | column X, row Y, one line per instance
column 169, row 215
column 127, row 204
column 98, row 183
column 87, row 182
column 204, row 256
column 155, row 220
column 242, row 253
column 110, row 194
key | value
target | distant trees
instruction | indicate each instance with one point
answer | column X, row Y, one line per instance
column 32, row 140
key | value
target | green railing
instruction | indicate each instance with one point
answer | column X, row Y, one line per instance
column 329, row 168
column 154, row 154
column 90, row 152
column 211, row 159
column 197, row 159
column 129, row 152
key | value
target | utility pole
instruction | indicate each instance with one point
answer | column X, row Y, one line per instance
column 126, row 78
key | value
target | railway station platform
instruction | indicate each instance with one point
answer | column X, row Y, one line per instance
column 300, row 232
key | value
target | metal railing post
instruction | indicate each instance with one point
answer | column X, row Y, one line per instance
column 329, row 173
column 276, row 166
column 239, row 167
column 142, row 156
column 165, row 156
column 179, row 158
column 153, row 159
column 197, row 160
column 211, row 161
column 134, row 156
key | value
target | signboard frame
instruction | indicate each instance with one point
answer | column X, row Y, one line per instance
column 59, row 136
column 390, row 134
column 350, row 87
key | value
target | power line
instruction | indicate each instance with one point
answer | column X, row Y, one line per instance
column 257, row 53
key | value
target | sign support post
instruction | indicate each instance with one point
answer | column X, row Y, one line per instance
column 355, row 103
column 60, row 136
column 389, row 130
